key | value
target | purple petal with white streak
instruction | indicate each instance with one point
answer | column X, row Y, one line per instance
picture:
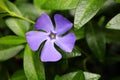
column 62, row 24
column 35, row 38
column 67, row 42
column 44, row 23
column 49, row 53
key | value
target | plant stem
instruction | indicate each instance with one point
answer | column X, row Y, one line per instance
column 21, row 17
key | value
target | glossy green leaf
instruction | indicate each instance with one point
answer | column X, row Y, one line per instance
column 96, row 41
column 56, row 4
column 33, row 68
column 18, row 26
column 91, row 76
column 79, row 33
column 19, row 75
column 12, row 40
column 74, row 76
column 114, row 23
column 86, row 10
column 76, row 52
column 6, row 54
column 79, row 75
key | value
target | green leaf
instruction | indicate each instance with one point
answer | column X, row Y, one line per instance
column 96, row 41
column 114, row 23
column 18, row 26
column 32, row 14
column 33, row 68
column 58, row 78
column 14, row 11
column 6, row 54
column 12, row 8
column 19, row 75
column 12, row 40
column 91, row 76
column 112, row 34
column 76, row 52
column 56, row 4
column 79, row 33
column 118, row 1
column 86, row 10
column 72, row 76
column 3, row 6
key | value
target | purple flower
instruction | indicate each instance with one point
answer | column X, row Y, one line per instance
column 51, row 36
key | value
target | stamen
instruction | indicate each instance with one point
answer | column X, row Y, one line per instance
column 52, row 35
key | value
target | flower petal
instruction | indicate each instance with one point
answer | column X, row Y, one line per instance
column 35, row 38
column 62, row 24
column 67, row 42
column 49, row 53
column 44, row 23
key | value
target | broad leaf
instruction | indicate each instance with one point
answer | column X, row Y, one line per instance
column 114, row 23
column 18, row 26
column 96, row 41
column 33, row 68
column 56, row 4
column 25, row 9
column 6, row 54
column 72, row 76
column 86, row 10
column 12, row 40
column 91, row 76
column 19, row 75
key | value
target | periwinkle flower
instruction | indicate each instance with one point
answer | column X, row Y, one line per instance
column 52, row 36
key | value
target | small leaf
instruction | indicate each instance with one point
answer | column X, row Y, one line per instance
column 6, row 54
column 114, row 23
column 91, row 76
column 33, row 68
column 86, row 10
column 96, row 41
column 12, row 40
column 72, row 76
column 56, row 4
column 19, row 75
column 18, row 26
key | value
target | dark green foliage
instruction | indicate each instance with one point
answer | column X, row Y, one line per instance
column 96, row 54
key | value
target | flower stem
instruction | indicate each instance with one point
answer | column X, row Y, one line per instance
column 21, row 17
